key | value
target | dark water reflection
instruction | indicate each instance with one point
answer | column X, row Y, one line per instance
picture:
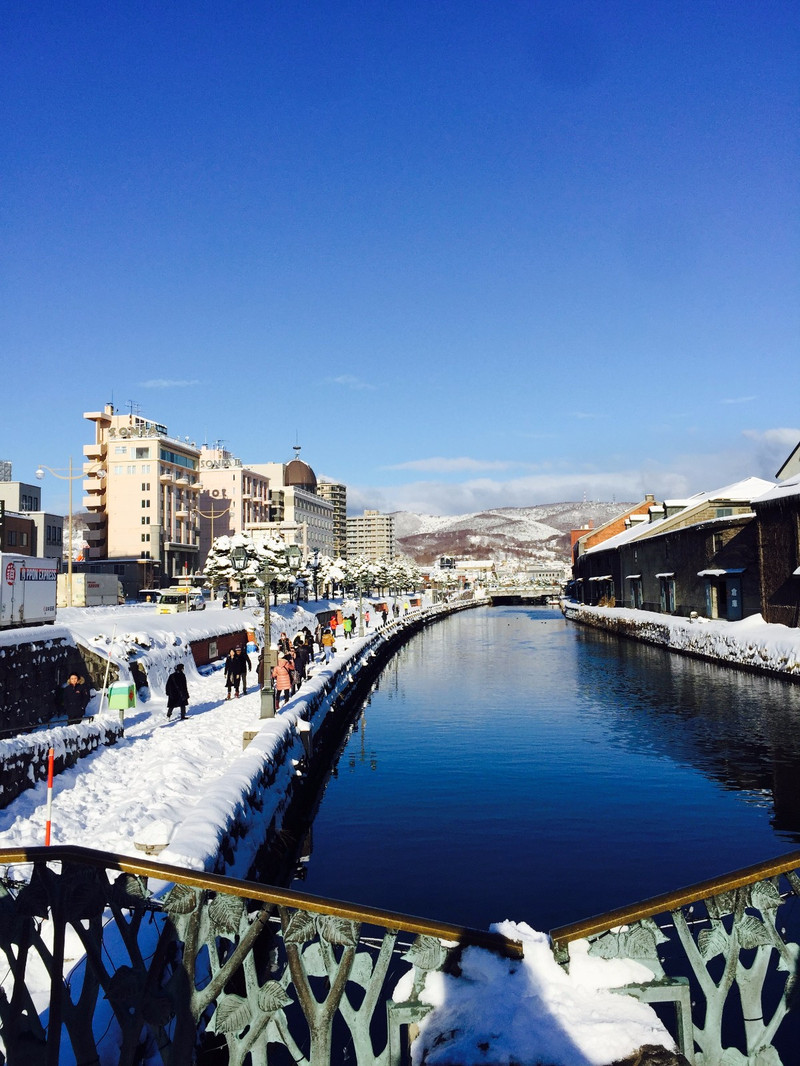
column 513, row 765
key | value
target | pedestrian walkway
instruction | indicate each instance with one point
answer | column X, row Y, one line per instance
column 158, row 770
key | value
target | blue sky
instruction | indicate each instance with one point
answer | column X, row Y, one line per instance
column 467, row 254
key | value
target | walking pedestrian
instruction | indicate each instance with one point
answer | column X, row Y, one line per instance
column 347, row 626
column 229, row 674
column 300, row 657
column 328, row 640
column 282, row 677
column 177, row 691
column 240, row 664
column 75, row 698
column 366, row 617
column 309, row 640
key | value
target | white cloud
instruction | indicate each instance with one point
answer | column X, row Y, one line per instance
column 348, row 381
column 772, row 448
column 440, row 465
column 757, row 454
column 167, row 383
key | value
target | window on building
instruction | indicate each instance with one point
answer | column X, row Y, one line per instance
column 145, row 520
column 145, row 555
column 145, row 537
column 145, row 469
column 12, row 538
column 118, row 469
column 145, row 486
column 131, row 470
column 120, row 449
column 145, row 503
column 717, row 542
column 142, row 453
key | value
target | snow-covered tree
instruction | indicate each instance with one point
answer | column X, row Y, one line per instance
column 267, row 560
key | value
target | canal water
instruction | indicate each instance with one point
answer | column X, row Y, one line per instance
column 511, row 764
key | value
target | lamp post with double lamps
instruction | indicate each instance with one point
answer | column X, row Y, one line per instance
column 70, row 477
column 314, row 565
column 294, row 558
column 268, row 660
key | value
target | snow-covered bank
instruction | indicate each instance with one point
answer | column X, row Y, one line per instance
column 751, row 642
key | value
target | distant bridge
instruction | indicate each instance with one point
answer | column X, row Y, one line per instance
column 532, row 594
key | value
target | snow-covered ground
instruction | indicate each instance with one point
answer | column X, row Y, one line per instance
column 161, row 774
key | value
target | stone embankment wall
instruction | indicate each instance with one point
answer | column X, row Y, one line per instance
column 34, row 664
column 243, row 811
column 24, row 759
column 751, row 644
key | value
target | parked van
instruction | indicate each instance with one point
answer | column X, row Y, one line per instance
column 181, row 598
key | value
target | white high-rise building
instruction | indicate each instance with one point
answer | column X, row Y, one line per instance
column 371, row 534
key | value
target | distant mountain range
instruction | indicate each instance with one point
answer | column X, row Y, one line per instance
column 540, row 533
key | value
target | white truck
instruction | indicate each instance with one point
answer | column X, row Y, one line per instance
column 90, row 590
column 27, row 590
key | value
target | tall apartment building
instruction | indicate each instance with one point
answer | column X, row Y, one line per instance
column 234, row 498
column 336, row 494
column 371, row 534
column 142, row 487
column 298, row 513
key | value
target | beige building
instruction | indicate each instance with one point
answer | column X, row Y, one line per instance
column 141, row 491
column 336, row 494
column 233, row 498
column 371, row 534
column 298, row 513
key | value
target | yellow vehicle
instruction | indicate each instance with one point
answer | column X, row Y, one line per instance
column 181, row 598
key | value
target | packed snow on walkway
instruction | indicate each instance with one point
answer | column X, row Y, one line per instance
column 159, row 772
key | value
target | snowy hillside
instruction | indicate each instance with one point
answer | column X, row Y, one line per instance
column 540, row 533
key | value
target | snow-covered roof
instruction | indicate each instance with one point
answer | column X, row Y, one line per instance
column 720, row 572
column 788, row 488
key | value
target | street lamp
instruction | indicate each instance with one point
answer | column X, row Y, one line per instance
column 267, row 691
column 314, row 565
column 70, row 477
column 293, row 557
column 212, row 514
column 239, row 560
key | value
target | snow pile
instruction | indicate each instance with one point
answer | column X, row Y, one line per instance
column 751, row 642
column 503, row 1011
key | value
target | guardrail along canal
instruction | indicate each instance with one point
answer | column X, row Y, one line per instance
column 510, row 764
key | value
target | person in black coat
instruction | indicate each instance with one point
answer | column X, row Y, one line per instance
column 236, row 668
column 75, row 697
column 177, row 691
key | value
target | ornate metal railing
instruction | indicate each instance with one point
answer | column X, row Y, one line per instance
column 724, row 952
column 175, row 963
